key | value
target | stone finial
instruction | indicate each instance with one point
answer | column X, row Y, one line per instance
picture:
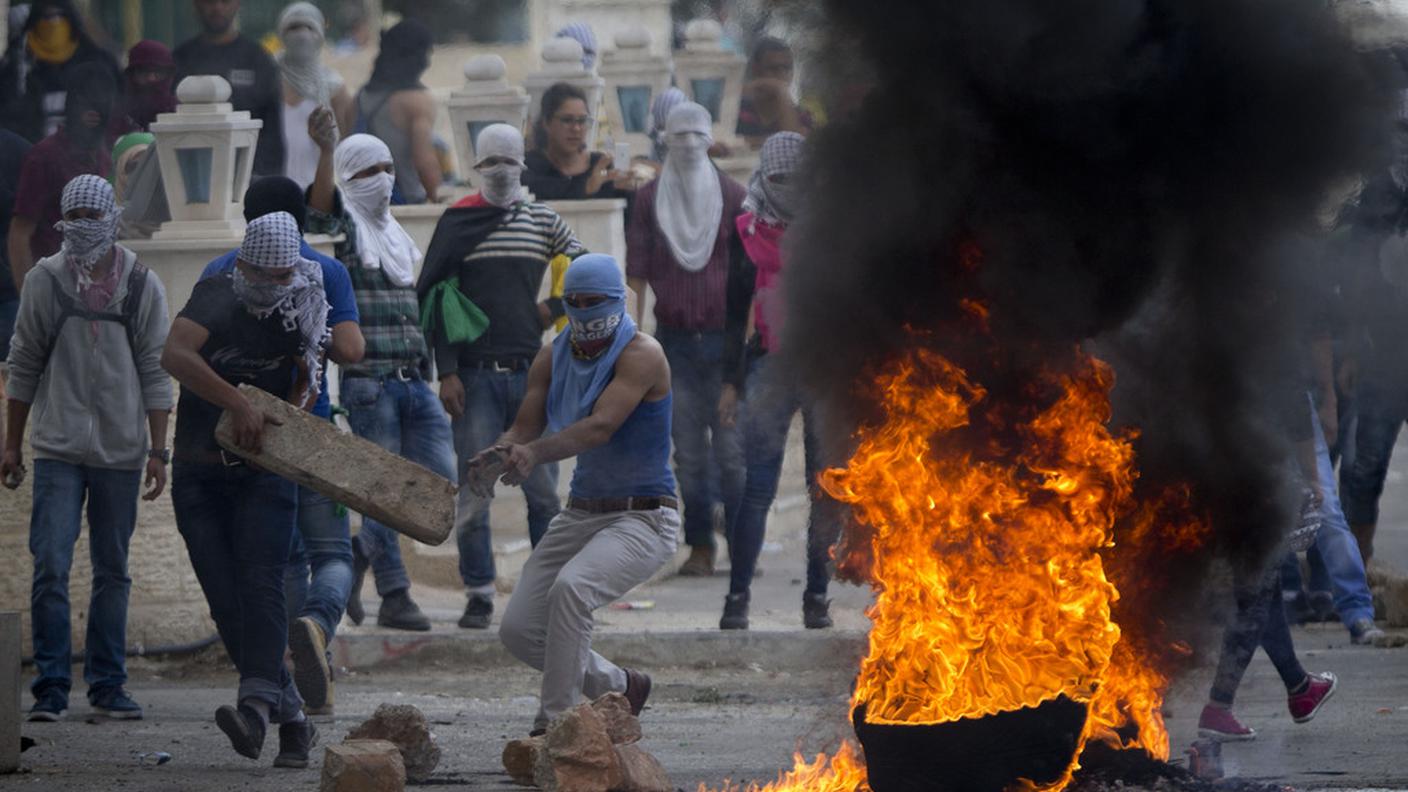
column 485, row 68
column 703, row 35
column 635, row 37
column 203, row 89
column 562, row 55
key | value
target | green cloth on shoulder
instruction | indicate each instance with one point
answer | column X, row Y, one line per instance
column 449, row 315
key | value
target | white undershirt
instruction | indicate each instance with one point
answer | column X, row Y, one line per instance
column 300, row 152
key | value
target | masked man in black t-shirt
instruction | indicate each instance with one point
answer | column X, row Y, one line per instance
column 263, row 324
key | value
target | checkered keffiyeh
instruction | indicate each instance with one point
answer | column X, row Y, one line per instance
column 274, row 242
column 582, row 33
column 86, row 241
column 781, row 154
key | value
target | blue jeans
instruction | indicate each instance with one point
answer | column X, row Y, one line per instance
column 766, row 416
column 239, row 524
column 59, row 493
column 705, row 451
column 491, row 402
column 322, row 542
column 1335, row 547
column 1380, row 413
column 405, row 418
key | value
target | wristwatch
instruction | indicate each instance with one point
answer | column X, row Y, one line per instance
column 164, row 454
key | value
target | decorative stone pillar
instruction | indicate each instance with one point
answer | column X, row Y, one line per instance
column 206, row 151
column 634, row 77
column 485, row 99
column 562, row 62
column 710, row 75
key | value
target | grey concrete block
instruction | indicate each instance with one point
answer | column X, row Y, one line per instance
column 354, row 472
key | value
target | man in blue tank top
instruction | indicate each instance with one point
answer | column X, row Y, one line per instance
column 601, row 393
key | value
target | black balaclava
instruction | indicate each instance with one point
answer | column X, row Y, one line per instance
column 90, row 87
column 275, row 194
column 404, row 57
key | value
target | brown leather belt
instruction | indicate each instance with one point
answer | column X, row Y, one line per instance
column 608, row 505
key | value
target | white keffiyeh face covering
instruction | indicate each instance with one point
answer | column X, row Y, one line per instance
column 689, row 203
column 87, row 241
column 381, row 241
column 503, row 184
column 273, row 242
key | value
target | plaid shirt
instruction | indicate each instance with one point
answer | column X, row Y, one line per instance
column 390, row 314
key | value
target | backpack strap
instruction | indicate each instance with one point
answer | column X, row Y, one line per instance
column 69, row 308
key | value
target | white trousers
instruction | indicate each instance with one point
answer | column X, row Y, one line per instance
column 583, row 562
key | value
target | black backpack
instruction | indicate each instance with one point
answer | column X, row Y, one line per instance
column 70, row 308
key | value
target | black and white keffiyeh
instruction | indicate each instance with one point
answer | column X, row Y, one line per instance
column 775, row 201
column 86, row 241
column 273, row 242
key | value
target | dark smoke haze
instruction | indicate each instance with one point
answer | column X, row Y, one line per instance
column 1135, row 172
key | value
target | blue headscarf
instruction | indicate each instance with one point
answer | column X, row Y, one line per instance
column 576, row 383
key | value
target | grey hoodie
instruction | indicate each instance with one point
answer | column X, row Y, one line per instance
column 90, row 402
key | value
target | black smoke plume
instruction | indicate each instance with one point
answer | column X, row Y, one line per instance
column 1132, row 175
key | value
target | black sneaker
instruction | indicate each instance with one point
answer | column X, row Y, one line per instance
column 1365, row 633
column 735, row 612
column 49, row 707
column 296, row 740
column 1298, row 610
column 1322, row 606
column 308, row 646
column 816, row 611
column 244, row 727
column 360, row 564
column 637, row 689
column 116, row 704
column 477, row 612
column 400, row 612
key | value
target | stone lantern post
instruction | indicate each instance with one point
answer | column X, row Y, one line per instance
column 485, row 99
column 634, row 77
column 710, row 75
column 206, row 151
column 562, row 62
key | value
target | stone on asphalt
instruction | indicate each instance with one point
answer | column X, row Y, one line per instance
column 1395, row 599
column 354, row 472
column 577, row 754
column 363, row 766
column 521, row 759
column 640, row 772
column 621, row 726
column 404, row 726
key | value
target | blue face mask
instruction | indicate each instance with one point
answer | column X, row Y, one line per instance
column 597, row 324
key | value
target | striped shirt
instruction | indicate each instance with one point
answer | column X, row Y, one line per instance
column 503, row 276
column 684, row 300
column 390, row 314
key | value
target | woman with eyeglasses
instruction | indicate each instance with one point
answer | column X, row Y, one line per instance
column 561, row 167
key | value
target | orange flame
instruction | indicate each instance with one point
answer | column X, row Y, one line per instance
column 988, row 558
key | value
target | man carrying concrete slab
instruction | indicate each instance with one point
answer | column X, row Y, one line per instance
column 85, row 356
column 264, row 324
column 602, row 390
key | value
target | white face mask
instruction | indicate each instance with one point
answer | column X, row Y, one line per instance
column 302, row 45
column 370, row 194
column 502, row 184
column 688, row 147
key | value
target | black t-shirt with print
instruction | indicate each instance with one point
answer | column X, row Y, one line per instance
column 242, row 348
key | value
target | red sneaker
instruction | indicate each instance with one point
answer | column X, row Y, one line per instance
column 1306, row 703
column 1218, row 723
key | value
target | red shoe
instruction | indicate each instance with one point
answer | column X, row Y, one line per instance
column 1218, row 723
column 1306, row 703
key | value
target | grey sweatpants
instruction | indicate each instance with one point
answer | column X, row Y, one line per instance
column 583, row 562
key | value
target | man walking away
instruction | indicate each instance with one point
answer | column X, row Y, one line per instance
column 493, row 248
column 254, row 79
column 265, row 324
column 86, row 352
column 602, row 391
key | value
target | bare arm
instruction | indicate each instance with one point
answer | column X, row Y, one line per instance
column 532, row 416
column 348, row 345
column 638, row 285
column 323, row 132
column 156, row 469
column 421, row 111
column 21, row 262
